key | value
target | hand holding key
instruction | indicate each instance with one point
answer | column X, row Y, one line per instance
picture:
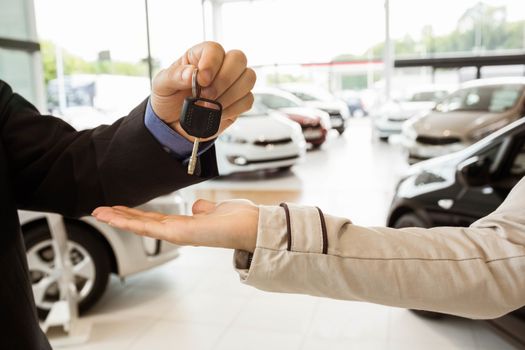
column 200, row 118
column 223, row 77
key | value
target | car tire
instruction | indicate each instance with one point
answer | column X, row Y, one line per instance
column 340, row 130
column 414, row 220
column 411, row 220
column 383, row 138
column 86, row 249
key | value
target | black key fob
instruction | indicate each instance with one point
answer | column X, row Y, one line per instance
column 200, row 117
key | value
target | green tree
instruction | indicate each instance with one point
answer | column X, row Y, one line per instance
column 481, row 27
column 74, row 64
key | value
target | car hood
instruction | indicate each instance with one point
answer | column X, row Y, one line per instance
column 459, row 124
column 303, row 112
column 261, row 128
column 328, row 106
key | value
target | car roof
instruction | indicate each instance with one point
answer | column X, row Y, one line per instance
column 277, row 91
column 494, row 81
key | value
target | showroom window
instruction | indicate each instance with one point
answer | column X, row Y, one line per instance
column 19, row 51
column 98, row 75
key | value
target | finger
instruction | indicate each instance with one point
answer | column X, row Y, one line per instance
column 138, row 212
column 98, row 210
column 233, row 66
column 202, row 206
column 239, row 89
column 208, row 57
column 141, row 226
column 173, row 79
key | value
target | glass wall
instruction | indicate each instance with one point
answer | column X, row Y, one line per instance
column 19, row 54
column 97, row 70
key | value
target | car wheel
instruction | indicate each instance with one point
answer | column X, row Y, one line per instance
column 413, row 220
column 340, row 130
column 89, row 257
column 383, row 138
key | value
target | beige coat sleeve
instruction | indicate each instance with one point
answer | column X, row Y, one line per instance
column 476, row 272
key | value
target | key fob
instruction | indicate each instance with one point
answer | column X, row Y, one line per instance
column 199, row 120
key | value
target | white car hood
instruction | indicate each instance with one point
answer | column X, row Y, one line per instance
column 262, row 128
column 327, row 105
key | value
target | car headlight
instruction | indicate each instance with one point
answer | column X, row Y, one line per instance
column 487, row 130
column 232, row 139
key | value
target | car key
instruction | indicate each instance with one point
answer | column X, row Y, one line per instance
column 200, row 118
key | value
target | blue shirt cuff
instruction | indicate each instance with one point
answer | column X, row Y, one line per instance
column 171, row 141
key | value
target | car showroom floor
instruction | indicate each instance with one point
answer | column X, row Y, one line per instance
column 196, row 301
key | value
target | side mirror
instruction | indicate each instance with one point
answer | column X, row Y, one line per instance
column 475, row 171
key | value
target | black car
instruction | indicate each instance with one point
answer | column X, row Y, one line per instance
column 458, row 189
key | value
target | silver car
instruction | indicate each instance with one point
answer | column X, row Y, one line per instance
column 96, row 250
column 477, row 109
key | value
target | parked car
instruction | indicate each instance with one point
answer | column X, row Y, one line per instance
column 96, row 251
column 391, row 116
column 318, row 98
column 314, row 122
column 458, row 189
column 260, row 139
column 474, row 111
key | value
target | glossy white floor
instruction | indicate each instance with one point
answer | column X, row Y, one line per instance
column 196, row 301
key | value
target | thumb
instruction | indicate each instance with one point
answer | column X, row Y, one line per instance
column 202, row 206
column 173, row 79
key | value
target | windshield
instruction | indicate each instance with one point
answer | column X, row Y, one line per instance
column 428, row 96
column 256, row 110
column 493, row 98
column 275, row 101
column 318, row 95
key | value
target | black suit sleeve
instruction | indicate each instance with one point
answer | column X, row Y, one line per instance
column 56, row 168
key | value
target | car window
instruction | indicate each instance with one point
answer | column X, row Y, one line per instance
column 305, row 97
column 428, row 96
column 489, row 155
column 256, row 110
column 518, row 165
column 275, row 101
column 492, row 98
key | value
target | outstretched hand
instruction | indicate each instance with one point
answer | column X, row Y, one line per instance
column 229, row 224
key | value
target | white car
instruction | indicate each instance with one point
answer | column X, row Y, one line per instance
column 260, row 139
column 316, row 97
column 96, row 250
column 391, row 116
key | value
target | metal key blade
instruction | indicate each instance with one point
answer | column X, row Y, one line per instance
column 193, row 158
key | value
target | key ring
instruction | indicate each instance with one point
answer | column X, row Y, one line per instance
column 195, row 87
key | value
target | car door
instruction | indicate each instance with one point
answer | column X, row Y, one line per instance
column 474, row 202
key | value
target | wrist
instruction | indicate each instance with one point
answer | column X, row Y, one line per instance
column 249, row 241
